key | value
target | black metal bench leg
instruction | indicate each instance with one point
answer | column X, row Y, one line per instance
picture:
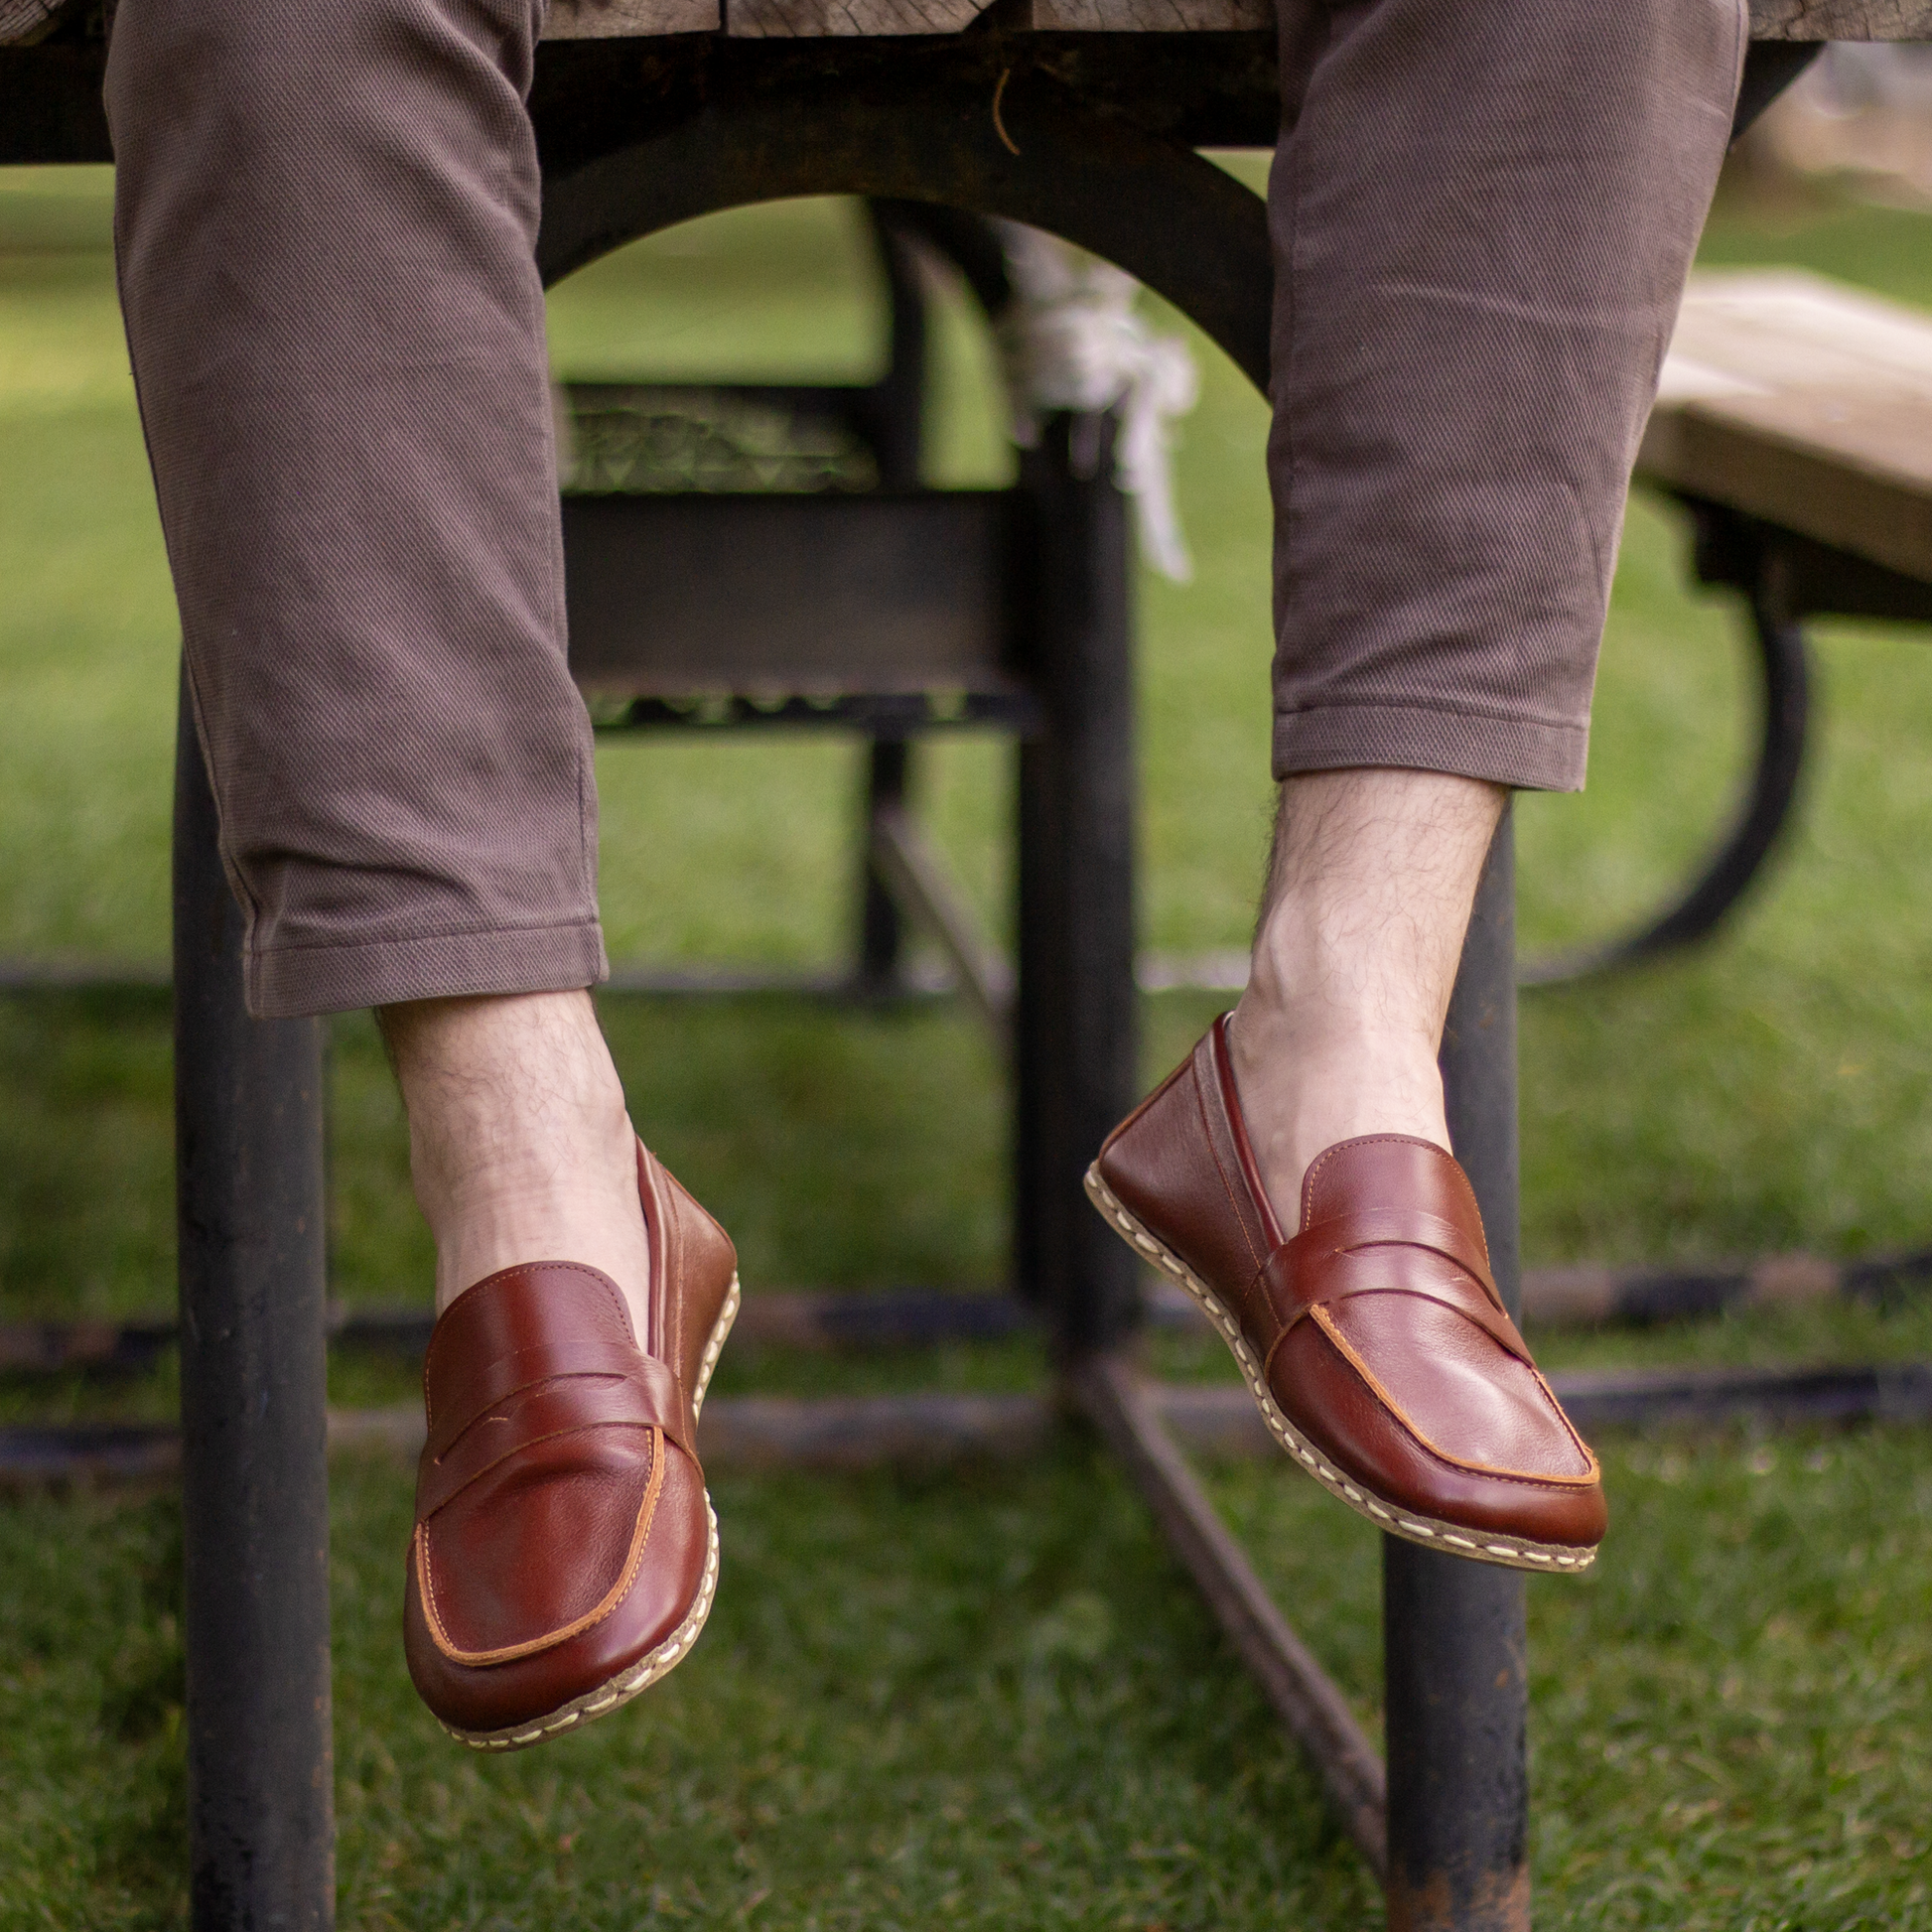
column 1074, row 1035
column 882, row 926
column 1453, row 1630
column 249, row 1123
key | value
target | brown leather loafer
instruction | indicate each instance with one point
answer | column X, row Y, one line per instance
column 566, row 1552
column 1373, row 1339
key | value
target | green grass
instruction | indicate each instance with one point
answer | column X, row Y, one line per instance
column 990, row 1699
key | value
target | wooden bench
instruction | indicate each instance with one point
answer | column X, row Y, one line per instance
column 26, row 21
column 1771, row 20
column 1794, row 424
column 1807, row 406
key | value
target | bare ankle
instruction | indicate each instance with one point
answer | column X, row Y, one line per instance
column 1370, row 886
column 520, row 1148
column 1301, row 1095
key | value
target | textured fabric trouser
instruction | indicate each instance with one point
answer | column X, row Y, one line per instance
column 325, row 216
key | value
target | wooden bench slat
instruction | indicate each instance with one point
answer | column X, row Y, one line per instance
column 1777, row 20
column 841, row 19
column 598, row 20
column 1150, row 16
column 575, row 20
column 1805, row 404
column 1841, row 20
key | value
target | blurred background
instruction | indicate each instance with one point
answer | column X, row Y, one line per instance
column 987, row 1698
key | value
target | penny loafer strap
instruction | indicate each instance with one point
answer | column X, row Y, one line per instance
column 561, row 1399
column 1408, row 1227
column 1385, row 1252
column 455, row 1401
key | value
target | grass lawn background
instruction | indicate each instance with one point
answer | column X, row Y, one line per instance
column 990, row 1700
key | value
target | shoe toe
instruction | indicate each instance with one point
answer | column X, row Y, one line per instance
column 555, row 1583
column 1484, row 1452
column 1462, row 1395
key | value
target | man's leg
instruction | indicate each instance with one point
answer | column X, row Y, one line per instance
column 1482, row 223
column 1482, row 219
column 325, row 225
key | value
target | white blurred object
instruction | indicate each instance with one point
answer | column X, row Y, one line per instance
column 1860, row 109
column 1071, row 339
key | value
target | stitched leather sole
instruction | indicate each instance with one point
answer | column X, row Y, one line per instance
column 1482, row 1546
column 628, row 1684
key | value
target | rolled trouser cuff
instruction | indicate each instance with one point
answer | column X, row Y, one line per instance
column 293, row 982
column 1527, row 754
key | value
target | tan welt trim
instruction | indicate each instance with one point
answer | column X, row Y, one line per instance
column 1591, row 1474
column 508, row 1653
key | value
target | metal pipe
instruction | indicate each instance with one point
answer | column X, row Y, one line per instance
column 882, row 928
column 1131, row 1414
column 1453, row 1640
column 1076, row 1007
column 248, row 1124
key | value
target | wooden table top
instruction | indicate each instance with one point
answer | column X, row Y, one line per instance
column 1779, row 19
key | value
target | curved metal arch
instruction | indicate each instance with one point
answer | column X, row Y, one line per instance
column 1182, row 225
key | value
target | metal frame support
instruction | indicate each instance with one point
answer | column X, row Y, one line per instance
column 882, row 926
column 1129, row 1413
column 248, row 1124
column 1076, row 1031
column 898, row 427
column 1453, row 1637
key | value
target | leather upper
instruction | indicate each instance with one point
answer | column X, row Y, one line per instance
column 562, row 1531
column 1380, row 1330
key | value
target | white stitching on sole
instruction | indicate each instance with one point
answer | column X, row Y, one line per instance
column 1518, row 1553
column 720, row 1334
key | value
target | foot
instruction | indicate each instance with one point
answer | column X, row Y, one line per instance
column 520, row 1149
column 566, row 1552
column 1368, row 1325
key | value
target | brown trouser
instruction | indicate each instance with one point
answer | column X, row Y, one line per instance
column 1482, row 219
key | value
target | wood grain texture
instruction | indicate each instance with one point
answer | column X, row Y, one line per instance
column 1841, row 20
column 21, row 21
column 772, row 19
column 1805, row 404
column 1788, row 20
column 1150, row 16
column 600, row 20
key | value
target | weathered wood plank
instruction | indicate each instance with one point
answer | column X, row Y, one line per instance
column 1788, row 20
column 1841, row 20
column 1805, row 404
column 1150, row 16
column 599, row 20
column 841, row 19
column 21, row 21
